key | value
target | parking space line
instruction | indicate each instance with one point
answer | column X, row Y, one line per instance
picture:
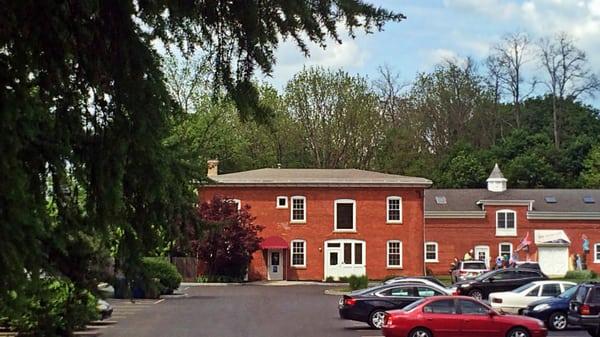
column 159, row 301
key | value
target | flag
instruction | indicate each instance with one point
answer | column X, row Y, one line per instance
column 524, row 242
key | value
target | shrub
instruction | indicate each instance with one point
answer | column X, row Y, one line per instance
column 581, row 275
column 358, row 282
column 329, row 279
column 50, row 307
column 160, row 275
column 343, row 279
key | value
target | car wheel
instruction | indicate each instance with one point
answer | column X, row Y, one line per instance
column 476, row 293
column 557, row 321
column 376, row 318
column 420, row 332
column 518, row 332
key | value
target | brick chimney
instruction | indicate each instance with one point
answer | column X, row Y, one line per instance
column 213, row 168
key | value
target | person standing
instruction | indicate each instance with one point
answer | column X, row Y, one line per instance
column 468, row 255
column 578, row 262
column 586, row 250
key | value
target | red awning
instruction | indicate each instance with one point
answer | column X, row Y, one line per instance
column 273, row 242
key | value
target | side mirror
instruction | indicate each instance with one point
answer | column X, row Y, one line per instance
column 492, row 313
column 491, row 279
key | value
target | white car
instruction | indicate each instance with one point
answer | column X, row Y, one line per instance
column 435, row 285
column 514, row 301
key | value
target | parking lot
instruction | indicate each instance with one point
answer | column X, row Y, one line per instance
column 243, row 311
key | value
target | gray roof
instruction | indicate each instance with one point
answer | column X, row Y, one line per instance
column 461, row 200
column 496, row 173
column 272, row 176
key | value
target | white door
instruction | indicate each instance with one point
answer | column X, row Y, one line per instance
column 554, row 261
column 482, row 253
column 344, row 258
column 275, row 264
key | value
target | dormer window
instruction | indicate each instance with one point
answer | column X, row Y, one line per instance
column 506, row 223
column 550, row 199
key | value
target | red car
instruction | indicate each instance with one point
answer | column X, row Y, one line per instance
column 457, row 316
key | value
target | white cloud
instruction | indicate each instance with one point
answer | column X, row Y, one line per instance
column 290, row 58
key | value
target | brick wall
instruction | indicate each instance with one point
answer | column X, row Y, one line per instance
column 456, row 236
column 370, row 225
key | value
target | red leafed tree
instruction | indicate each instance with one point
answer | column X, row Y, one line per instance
column 229, row 239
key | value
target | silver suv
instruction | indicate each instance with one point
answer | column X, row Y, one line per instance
column 467, row 270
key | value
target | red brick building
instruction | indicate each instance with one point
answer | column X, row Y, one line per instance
column 494, row 221
column 322, row 223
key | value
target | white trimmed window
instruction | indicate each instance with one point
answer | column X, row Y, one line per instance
column 394, row 254
column 505, row 249
column 236, row 202
column 344, row 215
column 281, row 202
column 394, row 210
column 506, row 223
column 298, row 253
column 431, row 252
column 298, row 209
column 597, row 253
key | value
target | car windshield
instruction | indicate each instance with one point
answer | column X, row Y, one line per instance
column 568, row 293
column 413, row 305
column 485, row 275
column 474, row 265
column 521, row 288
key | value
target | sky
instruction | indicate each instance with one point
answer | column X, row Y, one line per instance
column 436, row 30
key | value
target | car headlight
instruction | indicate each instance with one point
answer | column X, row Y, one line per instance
column 466, row 285
column 541, row 307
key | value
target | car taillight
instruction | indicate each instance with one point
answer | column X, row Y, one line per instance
column 584, row 309
column 455, row 293
column 349, row 301
column 387, row 319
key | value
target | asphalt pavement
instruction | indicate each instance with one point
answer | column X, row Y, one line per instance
column 244, row 311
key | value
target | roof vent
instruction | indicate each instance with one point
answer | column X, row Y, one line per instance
column 550, row 199
column 440, row 200
column 588, row 199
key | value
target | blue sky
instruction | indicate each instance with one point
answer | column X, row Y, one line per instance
column 435, row 30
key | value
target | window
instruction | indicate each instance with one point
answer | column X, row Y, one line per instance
column 344, row 216
column 298, row 253
column 358, row 250
column 597, row 253
column 394, row 209
column 440, row 307
column 281, row 202
column 298, row 209
column 431, row 252
column 550, row 199
column 472, row 308
column 394, row 254
column 397, row 292
column 440, row 200
column 427, row 292
column 505, row 250
column 551, row 290
column 533, row 292
column 588, row 199
column 506, row 223
column 505, row 275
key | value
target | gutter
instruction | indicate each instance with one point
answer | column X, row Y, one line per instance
column 455, row 214
column 563, row 215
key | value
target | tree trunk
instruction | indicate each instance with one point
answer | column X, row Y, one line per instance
column 555, row 120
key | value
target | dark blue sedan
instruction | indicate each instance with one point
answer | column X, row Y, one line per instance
column 553, row 311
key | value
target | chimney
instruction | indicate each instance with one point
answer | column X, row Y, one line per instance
column 496, row 182
column 213, row 168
